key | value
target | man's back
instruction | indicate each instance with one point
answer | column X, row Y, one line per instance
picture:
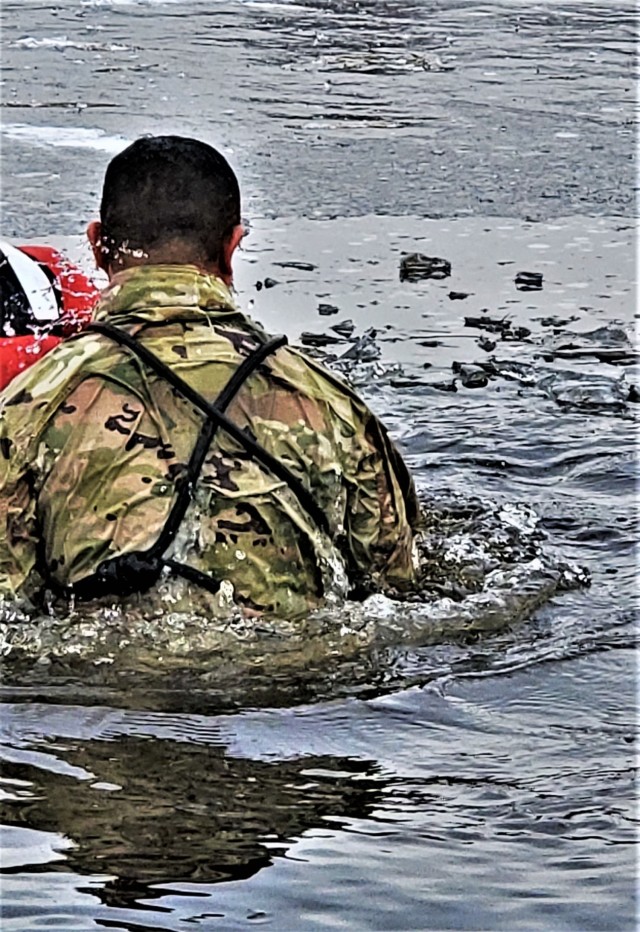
column 95, row 447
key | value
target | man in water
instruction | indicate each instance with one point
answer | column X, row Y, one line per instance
column 173, row 446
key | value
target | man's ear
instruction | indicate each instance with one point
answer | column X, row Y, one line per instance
column 94, row 235
column 229, row 246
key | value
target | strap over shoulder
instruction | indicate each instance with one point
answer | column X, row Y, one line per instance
column 138, row 571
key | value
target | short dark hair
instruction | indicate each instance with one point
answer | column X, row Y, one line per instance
column 163, row 188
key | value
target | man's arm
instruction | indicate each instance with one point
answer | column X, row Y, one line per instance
column 26, row 406
column 18, row 530
column 382, row 509
column 351, row 465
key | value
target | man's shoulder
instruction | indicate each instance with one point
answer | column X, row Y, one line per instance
column 53, row 370
column 30, row 400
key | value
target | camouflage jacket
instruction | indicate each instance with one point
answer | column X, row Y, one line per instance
column 92, row 444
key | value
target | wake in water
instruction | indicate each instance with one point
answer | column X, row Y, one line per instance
column 483, row 568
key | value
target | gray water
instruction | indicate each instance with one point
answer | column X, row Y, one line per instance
column 466, row 762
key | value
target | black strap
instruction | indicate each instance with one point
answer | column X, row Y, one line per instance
column 203, row 443
column 137, row 571
column 269, row 461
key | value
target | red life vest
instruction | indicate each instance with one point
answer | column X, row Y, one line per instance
column 43, row 298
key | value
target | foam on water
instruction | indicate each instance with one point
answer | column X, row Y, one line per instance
column 75, row 137
column 63, row 42
column 484, row 569
column 261, row 4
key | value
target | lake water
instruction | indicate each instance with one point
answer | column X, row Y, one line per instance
column 463, row 763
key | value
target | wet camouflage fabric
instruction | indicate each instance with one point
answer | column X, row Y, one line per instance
column 92, row 443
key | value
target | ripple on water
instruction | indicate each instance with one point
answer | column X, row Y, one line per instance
column 483, row 568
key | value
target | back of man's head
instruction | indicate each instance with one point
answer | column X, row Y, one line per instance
column 165, row 191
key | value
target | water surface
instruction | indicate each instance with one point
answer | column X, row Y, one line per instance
column 464, row 763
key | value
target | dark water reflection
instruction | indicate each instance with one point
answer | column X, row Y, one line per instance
column 151, row 811
column 471, row 802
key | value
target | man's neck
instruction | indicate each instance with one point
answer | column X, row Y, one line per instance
column 166, row 257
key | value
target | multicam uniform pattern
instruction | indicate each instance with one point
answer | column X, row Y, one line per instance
column 92, row 443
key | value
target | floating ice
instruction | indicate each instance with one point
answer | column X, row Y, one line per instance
column 70, row 137
column 63, row 42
